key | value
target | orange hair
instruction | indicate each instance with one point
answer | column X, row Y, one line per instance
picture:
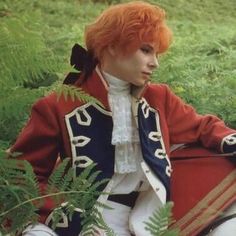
column 127, row 26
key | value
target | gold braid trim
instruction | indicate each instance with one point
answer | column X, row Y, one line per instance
column 205, row 203
column 210, row 212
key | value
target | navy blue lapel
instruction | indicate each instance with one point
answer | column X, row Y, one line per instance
column 152, row 144
column 90, row 129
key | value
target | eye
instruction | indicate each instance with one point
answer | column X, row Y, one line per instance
column 145, row 50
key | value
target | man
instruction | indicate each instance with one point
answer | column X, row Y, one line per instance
column 130, row 137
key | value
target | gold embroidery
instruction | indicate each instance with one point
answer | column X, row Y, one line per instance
column 205, row 206
column 208, row 213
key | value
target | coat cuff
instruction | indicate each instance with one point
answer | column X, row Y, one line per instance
column 228, row 143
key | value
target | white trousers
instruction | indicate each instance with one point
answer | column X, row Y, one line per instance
column 38, row 230
column 125, row 221
column 228, row 228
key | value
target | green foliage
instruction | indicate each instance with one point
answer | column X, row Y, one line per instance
column 19, row 193
column 14, row 109
column 28, row 69
column 160, row 220
column 24, row 62
column 24, row 56
column 74, row 93
column 200, row 65
column 17, row 184
column 76, row 192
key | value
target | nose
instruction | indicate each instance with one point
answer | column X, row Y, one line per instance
column 153, row 63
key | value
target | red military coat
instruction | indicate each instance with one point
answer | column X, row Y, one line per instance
column 201, row 187
column 46, row 134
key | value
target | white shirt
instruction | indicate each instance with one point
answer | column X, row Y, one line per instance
column 128, row 156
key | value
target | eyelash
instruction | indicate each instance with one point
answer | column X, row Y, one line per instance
column 145, row 50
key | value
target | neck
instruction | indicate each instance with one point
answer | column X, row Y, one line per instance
column 138, row 92
column 116, row 86
column 108, row 66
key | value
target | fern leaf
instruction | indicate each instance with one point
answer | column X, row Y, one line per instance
column 19, row 47
column 55, row 181
column 95, row 221
column 67, row 180
column 75, row 93
column 99, row 184
column 31, row 180
column 93, row 176
column 55, row 178
column 158, row 223
column 16, row 186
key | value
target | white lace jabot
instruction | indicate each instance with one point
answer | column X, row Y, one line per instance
column 124, row 135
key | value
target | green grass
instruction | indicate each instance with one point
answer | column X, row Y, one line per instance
column 200, row 65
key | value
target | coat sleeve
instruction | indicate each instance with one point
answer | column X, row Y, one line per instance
column 186, row 126
column 38, row 143
column 39, row 139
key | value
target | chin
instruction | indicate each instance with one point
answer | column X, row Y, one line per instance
column 141, row 83
column 138, row 84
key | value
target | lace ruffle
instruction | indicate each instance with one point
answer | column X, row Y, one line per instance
column 126, row 158
column 125, row 134
column 124, row 130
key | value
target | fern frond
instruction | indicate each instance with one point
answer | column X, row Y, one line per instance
column 67, row 180
column 97, row 223
column 55, row 178
column 56, row 217
column 19, row 193
column 21, row 46
column 15, row 104
column 84, row 194
column 83, row 177
column 102, row 225
column 75, row 93
column 17, row 184
column 25, row 63
column 93, row 176
column 32, row 184
column 160, row 220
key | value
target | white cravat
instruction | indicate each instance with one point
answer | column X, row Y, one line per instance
column 125, row 134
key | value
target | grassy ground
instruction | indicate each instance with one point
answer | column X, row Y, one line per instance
column 200, row 65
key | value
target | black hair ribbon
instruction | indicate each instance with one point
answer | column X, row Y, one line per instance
column 83, row 61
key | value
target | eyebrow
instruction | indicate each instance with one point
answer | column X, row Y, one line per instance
column 148, row 45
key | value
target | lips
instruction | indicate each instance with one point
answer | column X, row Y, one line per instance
column 147, row 73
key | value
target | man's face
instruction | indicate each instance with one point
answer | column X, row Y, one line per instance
column 137, row 67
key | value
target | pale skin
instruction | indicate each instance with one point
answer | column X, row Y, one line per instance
column 135, row 68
